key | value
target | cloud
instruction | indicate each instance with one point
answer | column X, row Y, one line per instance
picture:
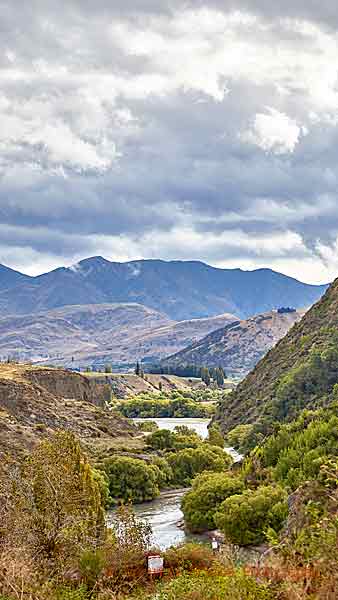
column 202, row 130
column 274, row 131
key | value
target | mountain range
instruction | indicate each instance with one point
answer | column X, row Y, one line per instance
column 239, row 346
column 180, row 289
column 96, row 334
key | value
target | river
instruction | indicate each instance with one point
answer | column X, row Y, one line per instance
column 164, row 514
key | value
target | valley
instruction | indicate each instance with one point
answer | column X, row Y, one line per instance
column 239, row 456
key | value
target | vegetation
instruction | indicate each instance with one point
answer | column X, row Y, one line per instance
column 245, row 518
column 132, row 479
column 161, row 404
column 210, row 586
column 208, row 491
column 299, row 372
column 195, row 371
column 188, row 463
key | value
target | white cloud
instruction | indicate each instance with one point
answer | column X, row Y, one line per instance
column 275, row 132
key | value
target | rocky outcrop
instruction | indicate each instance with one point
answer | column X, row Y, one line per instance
column 62, row 383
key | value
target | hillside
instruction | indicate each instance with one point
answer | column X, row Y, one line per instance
column 301, row 371
column 129, row 384
column 180, row 289
column 239, row 346
column 35, row 402
column 99, row 333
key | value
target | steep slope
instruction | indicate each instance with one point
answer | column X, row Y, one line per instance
column 301, row 371
column 10, row 278
column 182, row 290
column 35, row 402
column 239, row 346
column 94, row 334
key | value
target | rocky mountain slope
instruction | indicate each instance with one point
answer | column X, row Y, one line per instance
column 240, row 345
column 301, row 371
column 98, row 334
column 180, row 289
column 35, row 402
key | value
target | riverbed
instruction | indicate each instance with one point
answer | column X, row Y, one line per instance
column 164, row 513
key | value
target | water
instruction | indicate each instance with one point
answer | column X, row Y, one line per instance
column 199, row 425
column 164, row 514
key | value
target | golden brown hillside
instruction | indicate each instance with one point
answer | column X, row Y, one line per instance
column 36, row 401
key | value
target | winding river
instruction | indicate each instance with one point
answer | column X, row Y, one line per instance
column 164, row 514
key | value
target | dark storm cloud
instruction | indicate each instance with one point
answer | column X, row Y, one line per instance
column 133, row 125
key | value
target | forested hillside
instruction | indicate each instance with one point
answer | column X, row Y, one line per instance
column 301, row 371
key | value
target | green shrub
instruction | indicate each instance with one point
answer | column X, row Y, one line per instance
column 215, row 437
column 209, row 490
column 147, row 426
column 131, row 479
column 188, row 463
column 244, row 518
column 69, row 593
column 181, row 437
column 208, row 586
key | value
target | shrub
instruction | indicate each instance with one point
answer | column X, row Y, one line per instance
column 52, row 505
column 209, row 490
column 215, row 437
column 210, row 586
column 188, row 557
column 244, row 518
column 131, row 479
column 188, row 463
column 148, row 426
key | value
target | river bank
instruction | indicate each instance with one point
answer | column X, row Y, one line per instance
column 164, row 513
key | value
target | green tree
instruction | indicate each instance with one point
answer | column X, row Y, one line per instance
column 188, row 463
column 131, row 479
column 219, row 375
column 244, row 518
column 208, row 492
column 215, row 437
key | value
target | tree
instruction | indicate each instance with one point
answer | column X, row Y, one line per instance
column 208, row 492
column 52, row 503
column 244, row 518
column 215, row 437
column 205, row 376
column 188, row 463
column 108, row 369
column 219, row 376
column 137, row 368
column 131, row 479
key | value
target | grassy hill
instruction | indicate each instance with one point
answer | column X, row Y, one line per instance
column 239, row 346
column 301, row 371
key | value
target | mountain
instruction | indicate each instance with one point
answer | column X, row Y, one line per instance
column 239, row 346
column 35, row 402
column 10, row 278
column 99, row 333
column 301, row 371
column 180, row 289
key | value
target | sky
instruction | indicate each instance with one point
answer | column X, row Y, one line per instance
column 169, row 129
